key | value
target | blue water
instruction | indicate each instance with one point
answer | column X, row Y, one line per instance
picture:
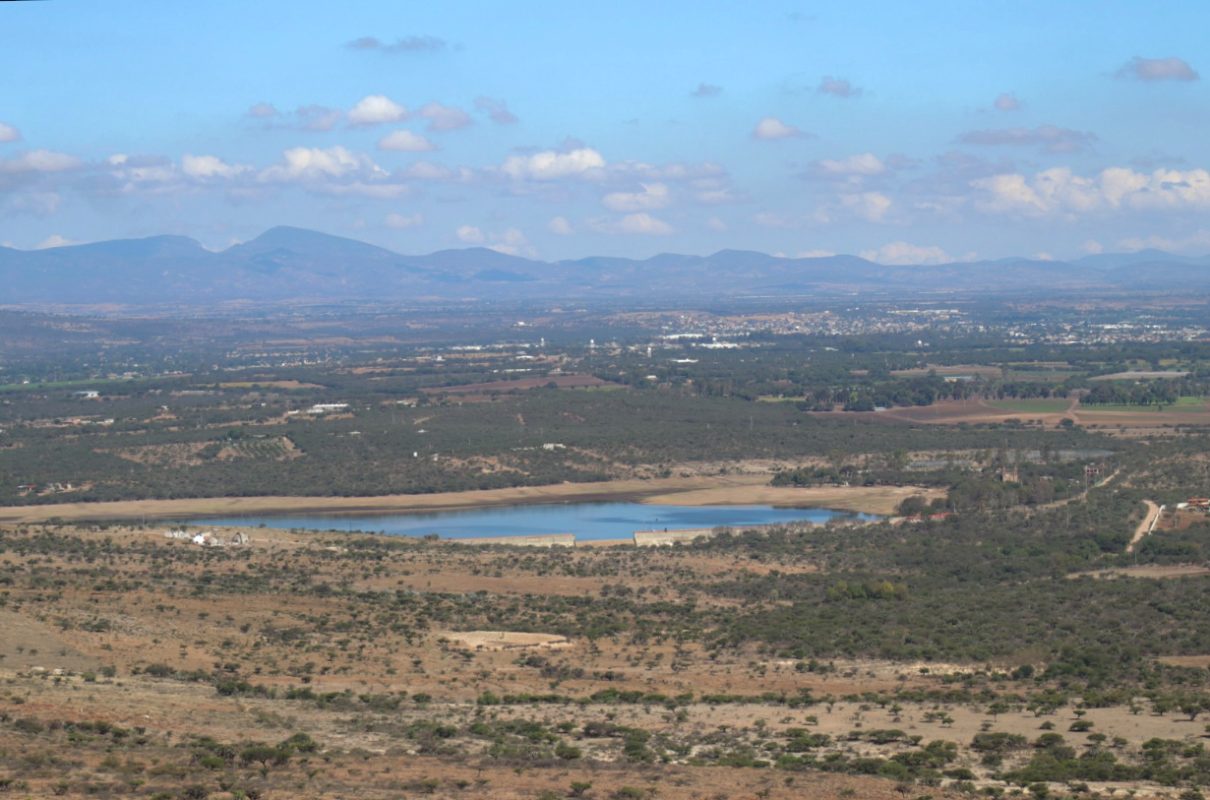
column 586, row 520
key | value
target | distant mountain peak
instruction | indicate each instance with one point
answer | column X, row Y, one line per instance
column 292, row 263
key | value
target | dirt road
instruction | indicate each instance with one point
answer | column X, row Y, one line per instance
column 1145, row 527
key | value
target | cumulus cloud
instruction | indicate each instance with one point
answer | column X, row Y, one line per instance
column 1049, row 138
column 837, row 87
column 405, row 44
column 511, row 242
column 706, row 90
column 332, row 170
column 128, row 174
column 771, row 128
column 551, row 164
column 1007, row 101
column 39, row 161
column 263, row 111
column 861, row 164
column 8, row 133
column 1158, row 69
column 716, row 224
column 907, row 254
column 470, row 234
column 641, row 224
column 444, row 118
column 207, row 167
column 496, row 110
column 54, row 240
column 1060, row 191
column 870, row 206
column 561, row 226
column 403, row 222
column 405, row 141
column 650, row 196
column 376, row 109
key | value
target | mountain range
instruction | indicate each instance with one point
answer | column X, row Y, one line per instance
column 293, row 264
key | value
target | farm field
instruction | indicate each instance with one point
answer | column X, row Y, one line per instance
column 1026, row 406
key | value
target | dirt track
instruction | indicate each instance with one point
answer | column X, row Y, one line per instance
column 1146, row 526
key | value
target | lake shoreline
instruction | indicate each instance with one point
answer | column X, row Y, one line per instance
column 686, row 491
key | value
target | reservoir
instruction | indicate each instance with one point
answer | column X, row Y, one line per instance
column 587, row 521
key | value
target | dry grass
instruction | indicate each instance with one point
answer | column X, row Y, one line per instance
column 148, row 596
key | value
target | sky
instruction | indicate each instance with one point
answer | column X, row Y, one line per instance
column 908, row 133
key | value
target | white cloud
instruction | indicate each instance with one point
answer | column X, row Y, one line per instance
column 561, row 226
column 405, row 141
column 1158, row 69
column 316, row 162
column 512, row 242
column 862, row 164
column 771, row 128
column 650, row 196
column 39, row 161
column 643, row 224
column 470, row 234
column 54, row 240
column 905, row 253
column 444, row 118
column 871, row 206
column 716, row 224
column 552, row 165
column 204, row 167
column 376, row 109
column 1060, row 191
column 1092, row 246
column 838, row 87
column 8, row 133
column 816, row 253
column 403, row 222
column 1007, row 101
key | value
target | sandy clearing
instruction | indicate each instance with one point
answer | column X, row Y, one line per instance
column 507, row 640
column 731, row 490
column 1195, row 662
column 1155, row 571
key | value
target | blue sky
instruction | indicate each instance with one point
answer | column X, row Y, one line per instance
column 906, row 132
